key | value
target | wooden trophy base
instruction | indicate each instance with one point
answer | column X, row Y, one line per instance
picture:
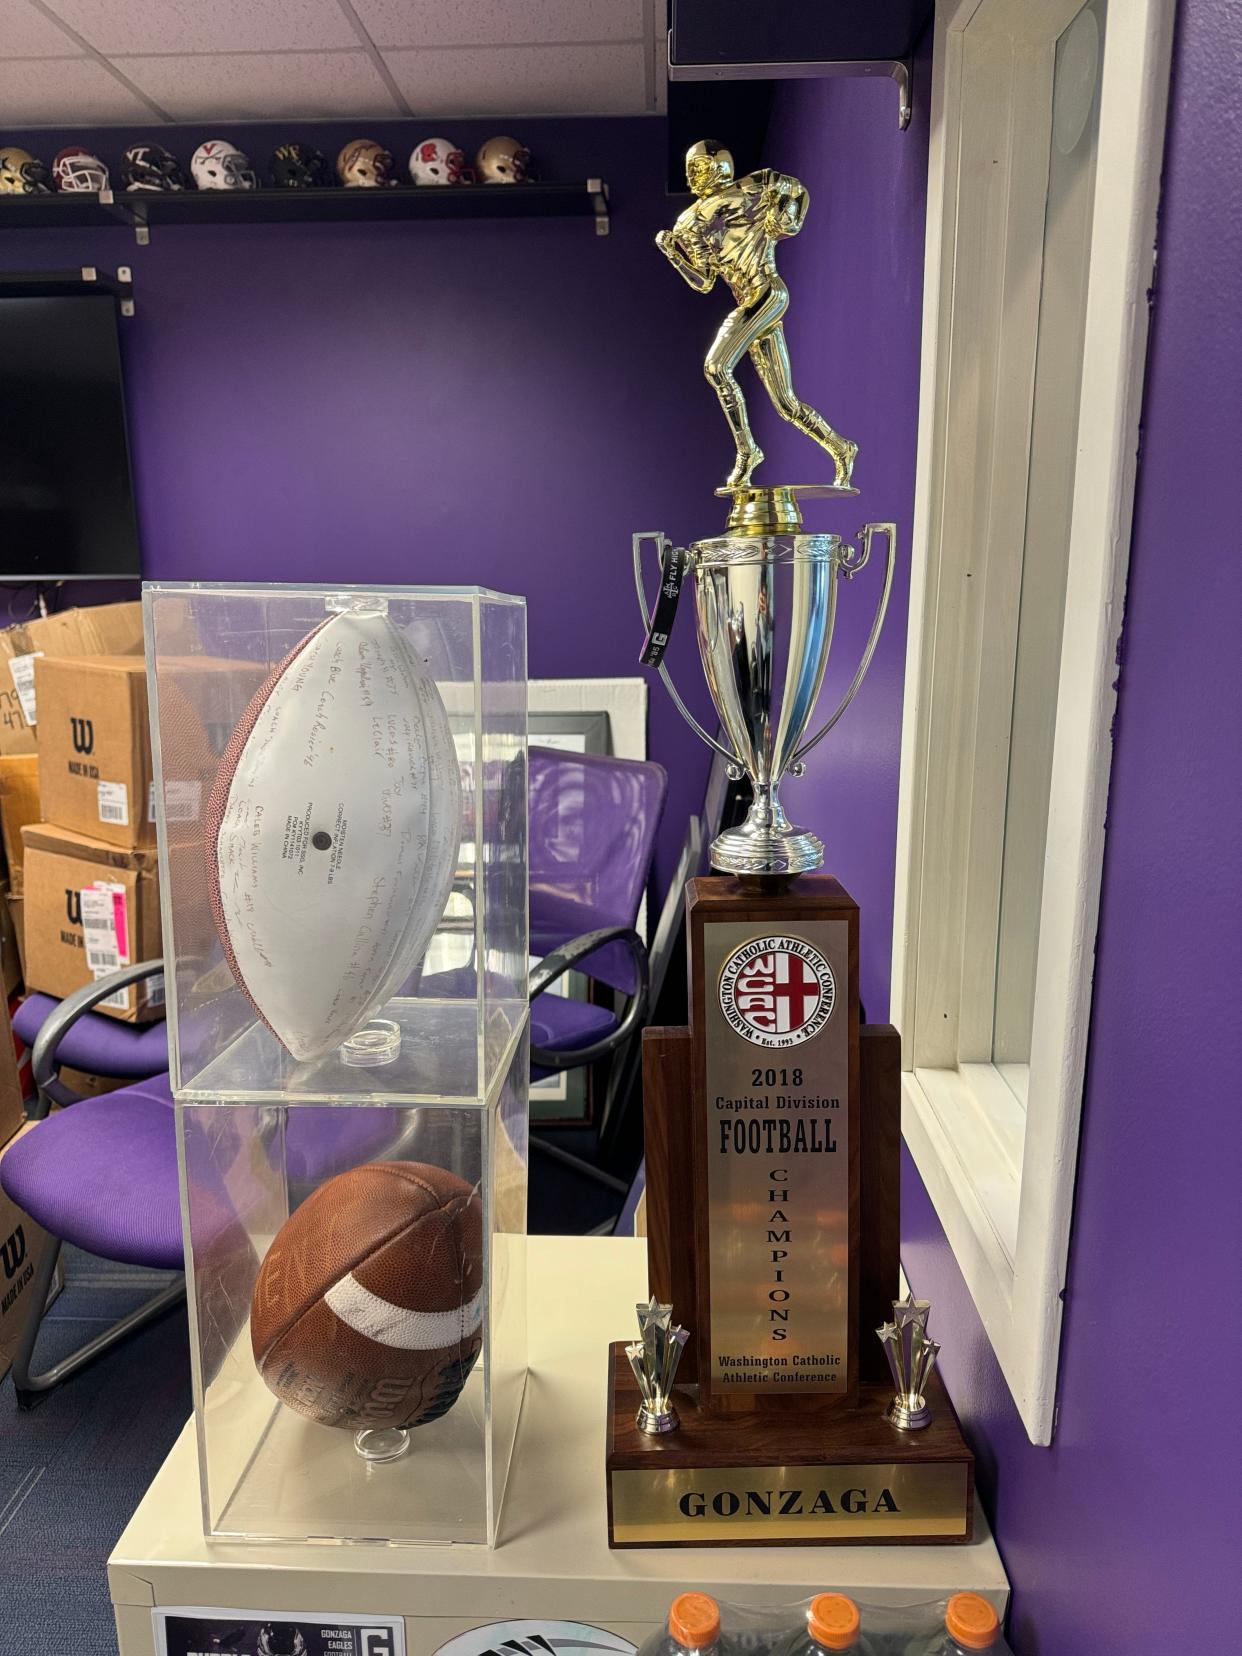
column 828, row 1476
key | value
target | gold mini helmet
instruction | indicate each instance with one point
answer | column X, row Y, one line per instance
column 709, row 166
column 502, row 161
column 364, row 165
column 21, row 174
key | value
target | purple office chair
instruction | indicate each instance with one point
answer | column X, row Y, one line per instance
column 593, row 822
column 89, row 1041
column 101, row 1174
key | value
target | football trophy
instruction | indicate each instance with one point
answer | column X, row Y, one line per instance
column 773, row 1121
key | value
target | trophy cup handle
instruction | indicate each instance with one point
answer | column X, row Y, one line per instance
column 661, row 543
column 849, row 566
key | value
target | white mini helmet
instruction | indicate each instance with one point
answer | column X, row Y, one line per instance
column 437, row 161
column 219, row 165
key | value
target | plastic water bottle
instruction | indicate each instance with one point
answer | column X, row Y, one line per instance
column 970, row 1625
column 832, row 1623
column 693, row 1626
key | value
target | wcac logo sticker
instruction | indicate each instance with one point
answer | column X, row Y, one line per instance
column 777, row 991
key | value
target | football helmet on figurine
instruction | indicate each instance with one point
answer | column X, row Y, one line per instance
column 364, row 165
column 503, row 161
column 21, row 173
column 76, row 171
column 149, row 167
column 437, row 161
column 219, row 165
column 299, row 167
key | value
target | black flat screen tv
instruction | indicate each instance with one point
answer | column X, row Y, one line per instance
column 66, row 497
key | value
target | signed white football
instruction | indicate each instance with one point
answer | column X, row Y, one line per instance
column 332, row 832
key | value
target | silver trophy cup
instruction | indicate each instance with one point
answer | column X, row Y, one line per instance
column 766, row 607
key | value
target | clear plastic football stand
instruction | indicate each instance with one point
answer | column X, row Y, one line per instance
column 437, row 1074
column 376, row 1043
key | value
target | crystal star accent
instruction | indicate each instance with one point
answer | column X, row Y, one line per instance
column 654, row 1358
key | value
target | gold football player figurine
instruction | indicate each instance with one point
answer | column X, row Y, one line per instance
column 730, row 231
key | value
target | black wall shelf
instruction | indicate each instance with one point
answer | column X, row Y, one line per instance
column 143, row 212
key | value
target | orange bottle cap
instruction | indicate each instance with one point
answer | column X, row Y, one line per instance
column 833, row 1621
column 694, row 1620
column 972, row 1621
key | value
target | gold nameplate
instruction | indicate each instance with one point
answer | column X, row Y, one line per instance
column 693, row 1506
column 776, row 1102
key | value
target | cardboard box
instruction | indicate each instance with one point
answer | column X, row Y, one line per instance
column 95, row 747
column 19, row 801
column 102, row 629
column 12, row 1103
column 71, row 939
column 15, row 903
column 10, row 957
column 21, row 1247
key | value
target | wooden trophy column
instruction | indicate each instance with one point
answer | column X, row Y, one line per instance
column 773, row 1137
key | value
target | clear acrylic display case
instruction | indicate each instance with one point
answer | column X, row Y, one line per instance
column 259, row 1131
column 209, row 648
column 267, row 1471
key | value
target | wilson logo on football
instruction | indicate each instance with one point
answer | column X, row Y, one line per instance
column 777, row 991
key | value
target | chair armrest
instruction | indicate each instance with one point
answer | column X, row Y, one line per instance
column 43, row 1058
column 561, row 961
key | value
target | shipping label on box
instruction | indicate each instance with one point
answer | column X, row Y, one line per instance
column 95, row 748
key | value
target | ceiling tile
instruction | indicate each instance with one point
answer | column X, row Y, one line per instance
column 27, row 33
column 115, row 26
column 537, row 80
column 278, row 86
column 499, row 22
column 65, row 92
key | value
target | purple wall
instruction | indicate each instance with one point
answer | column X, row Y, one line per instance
column 1123, row 1536
column 500, row 403
column 855, row 274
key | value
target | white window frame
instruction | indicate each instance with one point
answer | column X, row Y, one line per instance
column 1001, row 1177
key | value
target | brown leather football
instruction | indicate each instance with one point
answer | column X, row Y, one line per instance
column 368, row 1308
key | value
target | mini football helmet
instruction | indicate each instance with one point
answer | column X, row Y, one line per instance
column 76, row 170
column 299, row 167
column 502, row 161
column 219, row 165
column 21, row 174
column 364, row 165
column 150, row 167
column 437, row 161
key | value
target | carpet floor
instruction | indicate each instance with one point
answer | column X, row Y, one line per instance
column 73, row 1469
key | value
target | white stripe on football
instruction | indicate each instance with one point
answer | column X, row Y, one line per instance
column 397, row 1326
